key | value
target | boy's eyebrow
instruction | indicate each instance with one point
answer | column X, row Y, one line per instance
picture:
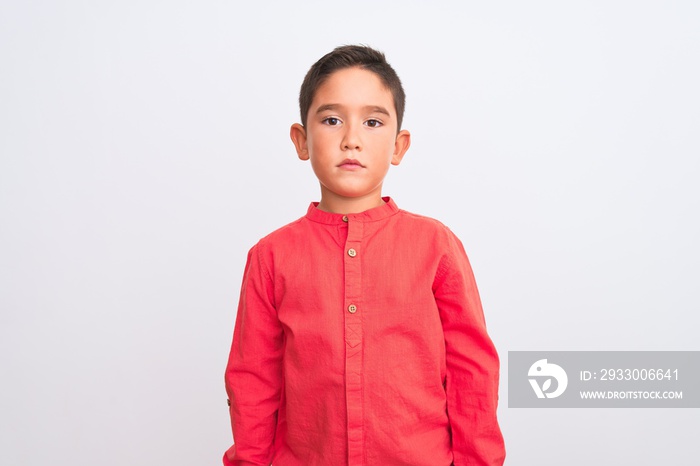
column 373, row 108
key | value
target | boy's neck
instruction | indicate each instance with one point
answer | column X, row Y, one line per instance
column 349, row 205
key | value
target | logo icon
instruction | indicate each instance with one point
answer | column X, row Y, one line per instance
column 546, row 371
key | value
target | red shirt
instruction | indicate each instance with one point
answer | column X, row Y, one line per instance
column 360, row 340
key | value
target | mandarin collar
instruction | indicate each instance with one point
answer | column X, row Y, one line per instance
column 376, row 213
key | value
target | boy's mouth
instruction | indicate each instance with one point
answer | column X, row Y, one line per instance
column 351, row 164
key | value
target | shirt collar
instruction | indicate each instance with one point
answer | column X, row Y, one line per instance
column 377, row 213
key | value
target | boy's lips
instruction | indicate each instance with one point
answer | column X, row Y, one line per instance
column 350, row 164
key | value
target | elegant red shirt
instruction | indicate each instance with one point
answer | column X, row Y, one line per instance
column 360, row 340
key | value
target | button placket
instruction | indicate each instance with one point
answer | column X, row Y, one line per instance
column 353, row 340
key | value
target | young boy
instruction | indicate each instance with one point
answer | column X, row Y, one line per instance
column 360, row 338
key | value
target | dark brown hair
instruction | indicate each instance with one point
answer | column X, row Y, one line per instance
column 349, row 56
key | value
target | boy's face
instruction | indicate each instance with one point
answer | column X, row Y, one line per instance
column 351, row 135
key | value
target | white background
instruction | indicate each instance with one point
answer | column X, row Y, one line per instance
column 144, row 149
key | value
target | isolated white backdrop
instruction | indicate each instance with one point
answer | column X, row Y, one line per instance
column 144, row 148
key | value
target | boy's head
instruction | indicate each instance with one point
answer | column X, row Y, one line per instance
column 350, row 56
column 351, row 107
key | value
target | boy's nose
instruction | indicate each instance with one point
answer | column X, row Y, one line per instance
column 351, row 140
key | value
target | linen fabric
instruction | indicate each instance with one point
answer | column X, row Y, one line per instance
column 360, row 340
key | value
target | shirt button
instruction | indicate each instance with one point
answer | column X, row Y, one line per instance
column 352, row 252
column 345, row 218
column 352, row 309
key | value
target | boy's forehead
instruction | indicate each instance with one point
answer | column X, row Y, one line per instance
column 353, row 87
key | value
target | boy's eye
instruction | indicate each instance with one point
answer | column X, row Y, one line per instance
column 373, row 123
column 331, row 121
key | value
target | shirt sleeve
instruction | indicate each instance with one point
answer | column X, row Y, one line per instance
column 472, row 364
column 254, row 372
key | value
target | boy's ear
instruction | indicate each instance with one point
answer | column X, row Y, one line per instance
column 403, row 142
column 298, row 134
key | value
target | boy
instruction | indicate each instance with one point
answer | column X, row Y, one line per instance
column 360, row 338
